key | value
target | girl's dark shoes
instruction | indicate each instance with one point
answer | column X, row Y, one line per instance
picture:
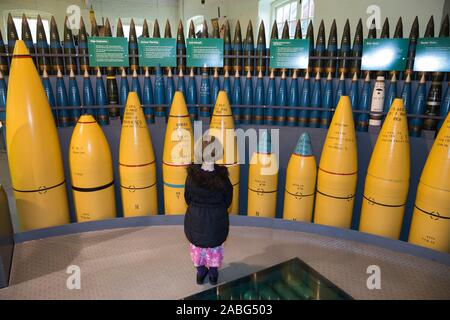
column 200, row 279
column 202, row 272
column 213, row 276
column 213, row 280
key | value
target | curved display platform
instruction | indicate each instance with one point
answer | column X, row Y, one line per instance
column 148, row 258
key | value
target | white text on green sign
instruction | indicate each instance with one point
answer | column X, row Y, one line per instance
column 108, row 52
column 157, row 51
column 289, row 53
column 384, row 54
column 432, row 55
column 204, row 53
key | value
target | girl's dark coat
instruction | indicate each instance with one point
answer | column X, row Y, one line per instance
column 208, row 196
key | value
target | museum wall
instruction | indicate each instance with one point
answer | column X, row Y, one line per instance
column 233, row 10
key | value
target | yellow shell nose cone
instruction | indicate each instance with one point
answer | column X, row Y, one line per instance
column 133, row 98
column 179, row 107
column 20, row 49
column 390, row 157
column 339, row 153
column 86, row 118
column 222, row 107
column 436, row 172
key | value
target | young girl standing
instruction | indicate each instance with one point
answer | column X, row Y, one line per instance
column 208, row 194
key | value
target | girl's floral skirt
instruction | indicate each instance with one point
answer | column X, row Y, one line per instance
column 209, row 257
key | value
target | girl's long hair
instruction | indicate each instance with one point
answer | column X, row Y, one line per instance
column 205, row 179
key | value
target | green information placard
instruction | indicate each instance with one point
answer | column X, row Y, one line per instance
column 432, row 55
column 204, row 53
column 289, row 53
column 154, row 51
column 108, row 52
column 384, row 54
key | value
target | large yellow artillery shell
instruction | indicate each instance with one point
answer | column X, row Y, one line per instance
column 300, row 182
column 263, row 180
column 222, row 128
column 387, row 180
column 137, row 166
column 338, row 167
column 34, row 153
column 430, row 226
column 91, row 172
column 178, row 154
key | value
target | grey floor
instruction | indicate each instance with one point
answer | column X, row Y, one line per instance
column 153, row 263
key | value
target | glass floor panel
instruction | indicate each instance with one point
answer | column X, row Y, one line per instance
column 290, row 280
